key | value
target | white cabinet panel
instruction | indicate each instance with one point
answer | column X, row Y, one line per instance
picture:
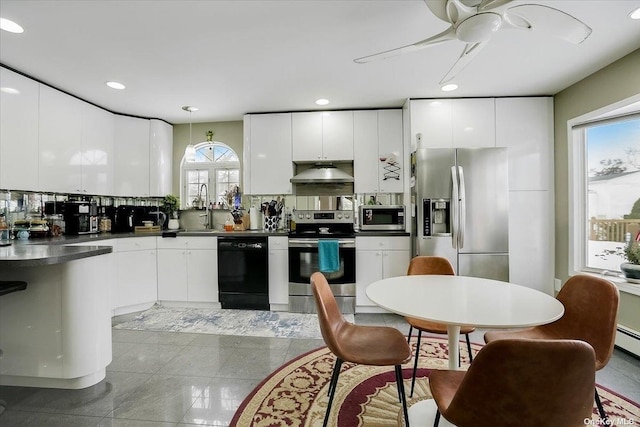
column 60, row 137
column 337, row 135
column 131, row 157
column 531, row 242
column 202, row 275
column 270, row 154
column 172, row 275
column 98, row 137
column 525, row 127
column 307, row 136
column 365, row 150
column 18, row 132
column 368, row 270
column 160, row 158
column 473, row 122
column 431, row 118
column 278, row 270
column 390, row 142
column 137, row 278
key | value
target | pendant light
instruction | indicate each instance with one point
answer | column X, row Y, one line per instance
column 190, row 151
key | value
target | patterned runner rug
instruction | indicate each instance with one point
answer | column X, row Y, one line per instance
column 296, row 393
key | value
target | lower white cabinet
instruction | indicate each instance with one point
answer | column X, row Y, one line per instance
column 137, row 278
column 377, row 258
column 279, row 272
column 188, row 269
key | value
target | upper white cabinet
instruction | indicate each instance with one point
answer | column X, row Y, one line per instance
column 160, row 158
column 98, row 133
column 449, row 123
column 60, row 142
column 525, row 127
column 267, row 152
column 322, row 136
column 378, row 151
column 131, row 157
column 19, row 103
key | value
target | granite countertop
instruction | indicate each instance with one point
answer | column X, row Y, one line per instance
column 31, row 255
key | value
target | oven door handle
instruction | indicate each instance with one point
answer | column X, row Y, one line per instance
column 310, row 243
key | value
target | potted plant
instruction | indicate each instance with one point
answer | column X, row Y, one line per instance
column 631, row 268
column 170, row 206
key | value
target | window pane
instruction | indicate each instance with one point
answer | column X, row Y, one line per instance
column 613, row 191
column 234, row 176
column 192, row 176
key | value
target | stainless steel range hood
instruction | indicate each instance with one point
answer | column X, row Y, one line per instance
column 321, row 174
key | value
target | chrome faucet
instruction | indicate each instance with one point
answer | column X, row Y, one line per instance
column 206, row 204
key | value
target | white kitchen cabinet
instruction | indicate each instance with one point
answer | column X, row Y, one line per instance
column 60, row 142
column 188, row 269
column 269, row 154
column 378, row 135
column 525, row 127
column 98, row 137
column 19, row 103
column 473, row 122
column 278, row 272
column 137, row 275
column 131, row 157
column 160, row 158
column 322, row 136
column 378, row 258
column 431, row 119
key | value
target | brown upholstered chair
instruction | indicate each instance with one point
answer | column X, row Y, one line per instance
column 590, row 314
column 519, row 383
column 431, row 265
column 366, row 345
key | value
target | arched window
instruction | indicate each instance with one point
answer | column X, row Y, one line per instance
column 207, row 171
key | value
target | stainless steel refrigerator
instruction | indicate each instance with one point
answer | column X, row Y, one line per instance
column 462, row 200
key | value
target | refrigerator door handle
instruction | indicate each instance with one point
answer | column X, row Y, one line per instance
column 455, row 221
column 462, row 216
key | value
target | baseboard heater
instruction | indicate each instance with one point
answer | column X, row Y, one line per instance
column 628, row 340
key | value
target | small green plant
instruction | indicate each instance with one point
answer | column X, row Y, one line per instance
column 170, row 205
column 632, row 252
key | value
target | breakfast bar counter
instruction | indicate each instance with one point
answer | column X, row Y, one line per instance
column 33, row 255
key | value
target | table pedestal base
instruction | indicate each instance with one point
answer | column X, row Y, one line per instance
column 453, row 333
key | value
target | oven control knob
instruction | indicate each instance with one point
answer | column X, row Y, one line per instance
column 346, row 216
column 339, row 216
column 300, row 216
column 308, row 216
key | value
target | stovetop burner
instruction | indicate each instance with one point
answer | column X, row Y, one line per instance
column 323, row 224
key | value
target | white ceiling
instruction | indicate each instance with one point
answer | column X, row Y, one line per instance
column 234, row 57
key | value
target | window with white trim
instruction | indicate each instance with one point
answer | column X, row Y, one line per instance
column 605, row 202
column 208, row 170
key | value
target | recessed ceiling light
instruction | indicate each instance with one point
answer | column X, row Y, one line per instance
column 449, row 87
column 635, row 14
column 10, row 26
column 115, row 85
column 189, row 108
column 322, row 101
column 9, row 90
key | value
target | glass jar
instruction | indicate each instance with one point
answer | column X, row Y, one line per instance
column 104, row 224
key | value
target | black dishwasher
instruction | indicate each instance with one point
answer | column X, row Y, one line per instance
column 243, row 272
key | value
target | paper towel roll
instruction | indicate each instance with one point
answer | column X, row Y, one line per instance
column 255, row 218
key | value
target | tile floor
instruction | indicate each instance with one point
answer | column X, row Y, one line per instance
column 181, row 379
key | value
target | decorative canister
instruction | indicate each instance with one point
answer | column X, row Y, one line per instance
column 271, row 223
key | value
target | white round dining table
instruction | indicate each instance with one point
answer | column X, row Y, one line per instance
column 464, row 301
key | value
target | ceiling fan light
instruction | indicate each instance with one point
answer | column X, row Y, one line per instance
column 478, row 28
column 449, row 87
column 10, row 26
column 635, row 14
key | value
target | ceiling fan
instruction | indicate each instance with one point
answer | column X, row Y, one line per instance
column 475, row 21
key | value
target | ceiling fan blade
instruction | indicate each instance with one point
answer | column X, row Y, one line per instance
column 469, row 52
column 446, row 35
column 439, row 8
column 490, row 5
column 548, row 20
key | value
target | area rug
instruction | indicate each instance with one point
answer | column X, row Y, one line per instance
column 296, row 393
column 226, row 322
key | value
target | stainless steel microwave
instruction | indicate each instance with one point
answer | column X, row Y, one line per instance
column 380, row 217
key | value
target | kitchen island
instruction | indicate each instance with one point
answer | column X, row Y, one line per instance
column 57, row 332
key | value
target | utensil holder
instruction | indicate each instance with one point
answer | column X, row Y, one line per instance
column 271, row 223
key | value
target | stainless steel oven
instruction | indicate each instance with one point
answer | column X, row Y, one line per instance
column 311, row 227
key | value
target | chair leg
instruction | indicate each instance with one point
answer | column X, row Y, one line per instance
column 436, row 423
column 403, row 398
column 332, row 388
column 469, row 348
column 409, row 336
column 603, row 415
column 415, row 363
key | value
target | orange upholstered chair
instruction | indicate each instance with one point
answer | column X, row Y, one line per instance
column 431, row 265
column 590, row 314
column 366, row 345
column 519, row 383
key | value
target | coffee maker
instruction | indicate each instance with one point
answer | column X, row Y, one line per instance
column 80, row 217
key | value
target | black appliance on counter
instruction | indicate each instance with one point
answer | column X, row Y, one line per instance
column 127, row 217
column 80, row 217
column 311, row 227
column 243, row 272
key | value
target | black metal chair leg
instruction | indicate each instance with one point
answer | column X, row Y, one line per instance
column 603, row 415
column 332, row 388
column 437, row 420
column 409, row 336
column 415, row 363
column 469, row 348
column 403, row 398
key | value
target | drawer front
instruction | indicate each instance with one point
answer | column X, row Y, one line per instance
column 278, row 242
column 136, row 244
column 204, row 242
column 172, row 242
column 383, row 243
